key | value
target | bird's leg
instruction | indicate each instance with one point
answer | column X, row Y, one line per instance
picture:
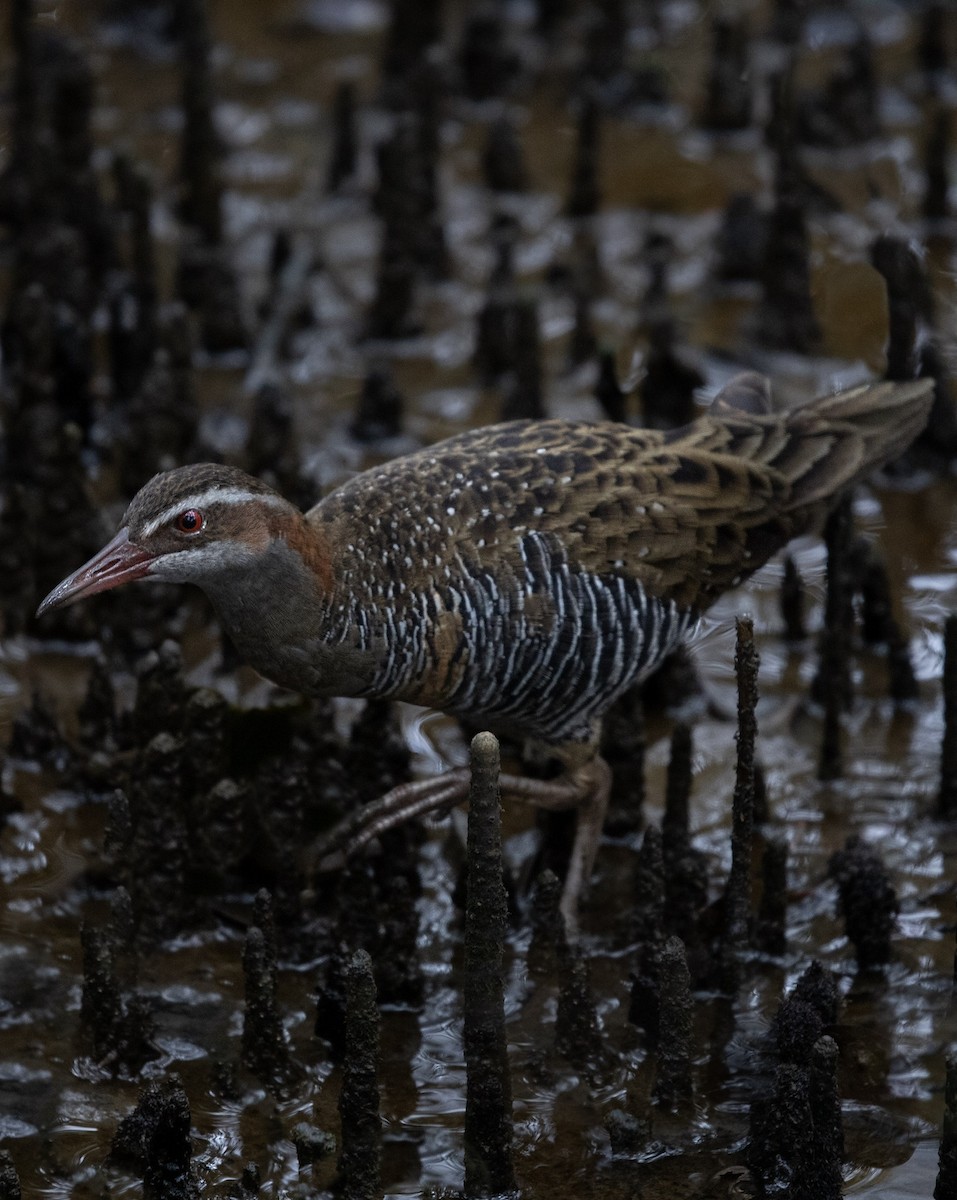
column 586, row 789
column 401, row 803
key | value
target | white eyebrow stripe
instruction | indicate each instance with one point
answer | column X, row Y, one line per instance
column 214, row 495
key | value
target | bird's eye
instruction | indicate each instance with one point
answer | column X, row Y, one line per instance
column 190, row 521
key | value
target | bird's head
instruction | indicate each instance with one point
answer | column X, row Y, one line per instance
column 196, row 524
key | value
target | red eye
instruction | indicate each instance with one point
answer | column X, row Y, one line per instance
column 190, row 521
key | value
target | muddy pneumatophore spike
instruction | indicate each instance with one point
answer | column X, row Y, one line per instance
column 488, row 1099
column 738, row 890
column 673, row 1083
column 946, row 1185
column 360, row 1156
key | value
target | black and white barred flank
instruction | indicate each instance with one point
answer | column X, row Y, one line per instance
column 547, row 648
column 524, row 574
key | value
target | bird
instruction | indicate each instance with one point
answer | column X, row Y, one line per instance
column 522, row 575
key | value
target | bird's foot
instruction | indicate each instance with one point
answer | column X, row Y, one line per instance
column 585, row 789
column 400, row 804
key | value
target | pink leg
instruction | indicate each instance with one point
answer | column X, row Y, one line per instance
column 398, row 805
column 586, row 789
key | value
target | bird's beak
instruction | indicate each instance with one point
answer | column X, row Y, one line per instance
column 120, row 561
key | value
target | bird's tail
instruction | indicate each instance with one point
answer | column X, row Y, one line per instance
column 780, row 474
column 828, row 445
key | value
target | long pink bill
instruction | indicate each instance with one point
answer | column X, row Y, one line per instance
column 120, row 561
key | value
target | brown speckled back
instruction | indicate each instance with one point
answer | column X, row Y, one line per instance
column 532, row 571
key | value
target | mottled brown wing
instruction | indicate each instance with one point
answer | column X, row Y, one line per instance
column 687, row 513
column 692, row 515
column 740, row 485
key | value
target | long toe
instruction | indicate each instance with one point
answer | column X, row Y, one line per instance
column 400, row 804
